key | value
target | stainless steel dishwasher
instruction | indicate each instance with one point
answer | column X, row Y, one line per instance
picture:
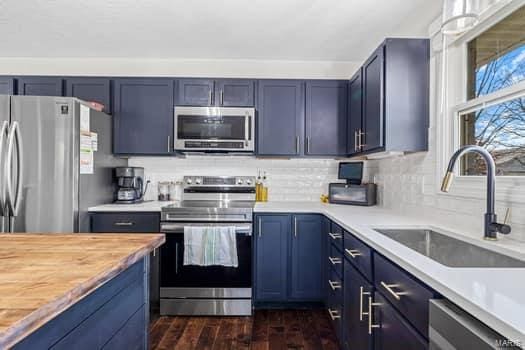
column 452, row 328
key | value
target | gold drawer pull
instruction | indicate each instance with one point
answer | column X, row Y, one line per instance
column 334, row 284
column 334, row 314
column 389, row 289
column 334, row 261
column 335, row 236
column 354, row 253
column 362, row 293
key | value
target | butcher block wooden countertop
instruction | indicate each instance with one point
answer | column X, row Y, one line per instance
column 41, row 275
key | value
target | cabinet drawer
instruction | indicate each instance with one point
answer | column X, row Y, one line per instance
column 335, row 259
column 406, row 294
column 125, row 222
column 359, row 254
column 335, row 302
column 393, row 331
column 335, row 236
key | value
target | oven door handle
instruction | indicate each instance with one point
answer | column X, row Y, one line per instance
column 179, row 228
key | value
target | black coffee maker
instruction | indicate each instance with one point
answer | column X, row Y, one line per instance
column 131, row 188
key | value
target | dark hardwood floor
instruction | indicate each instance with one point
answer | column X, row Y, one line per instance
column 267, row 329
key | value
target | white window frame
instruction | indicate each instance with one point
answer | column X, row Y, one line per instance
column 452, row 101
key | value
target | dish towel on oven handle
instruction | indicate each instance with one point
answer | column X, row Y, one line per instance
column 210, row 245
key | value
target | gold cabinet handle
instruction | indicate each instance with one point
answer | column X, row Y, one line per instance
column 371, row 326
column 354, row 253
column 389, row 289
column 334, row 314
column 334, row 261
column 334, row 284
column 335, row 236
column 362, row 293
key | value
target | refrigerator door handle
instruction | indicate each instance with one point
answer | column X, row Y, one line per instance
column 4, row 129
column 13, row 200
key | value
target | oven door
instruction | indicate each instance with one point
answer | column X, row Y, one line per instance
column 214, row 128
column 174, row 274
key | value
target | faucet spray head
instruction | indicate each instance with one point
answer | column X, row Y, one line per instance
column 447, row 181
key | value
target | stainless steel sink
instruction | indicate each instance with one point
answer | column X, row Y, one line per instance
column 449, row 251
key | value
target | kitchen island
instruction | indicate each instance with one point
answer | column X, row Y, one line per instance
column 75, row 291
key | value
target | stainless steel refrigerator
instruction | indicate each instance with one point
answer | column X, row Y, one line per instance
column 55, row 162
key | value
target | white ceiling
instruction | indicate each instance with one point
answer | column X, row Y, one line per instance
column 320, row 30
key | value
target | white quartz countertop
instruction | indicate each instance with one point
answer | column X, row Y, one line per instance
column 146, row 206
column 496, row 296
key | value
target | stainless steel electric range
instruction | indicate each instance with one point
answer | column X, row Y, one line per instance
column 208, row 290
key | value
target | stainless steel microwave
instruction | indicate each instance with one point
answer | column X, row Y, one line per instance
column 214, row 129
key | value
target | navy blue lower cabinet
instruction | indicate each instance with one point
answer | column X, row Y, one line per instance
column 357, row 295
column 306, row 263
column 7, row 86
column 271, row 257
column 393, row 332
column 114, row 316
column 40, row 86
column 324, row 258
column 90, row 90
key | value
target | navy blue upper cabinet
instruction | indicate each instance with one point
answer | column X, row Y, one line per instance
column 280, row 117
column 91, row 90
column 195, row 92
column 355, row 112
column 271, row 255
column 395, row 98
column 326, row 117
column 373, row 101
column 7, row 86
column 143, row 116
column 235, row 93
column 221, row 92
column 40, row 86
column 306, row 255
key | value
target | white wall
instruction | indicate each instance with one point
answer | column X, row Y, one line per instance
column 178, row 68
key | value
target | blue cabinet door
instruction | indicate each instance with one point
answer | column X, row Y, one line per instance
column 280, row 117
column 7, row 86
column 373, row 106
column 326, row 115
column 195, row 92
column 393, row 331
column 40, row 86
column 235, row 93
column 306, row 263
column 355, row 113
column 90, row 90
column 355, row 320
column 271, row 253
column 143, row 116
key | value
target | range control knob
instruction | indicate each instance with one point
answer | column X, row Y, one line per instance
column 198, row 181
column 248, row 182
column 188, row 181
column 239, row 181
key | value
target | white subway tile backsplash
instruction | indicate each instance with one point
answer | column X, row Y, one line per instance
column 288, row 179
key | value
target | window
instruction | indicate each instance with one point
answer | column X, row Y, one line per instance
column 496, row 120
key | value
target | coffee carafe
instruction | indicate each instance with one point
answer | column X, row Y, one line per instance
column 131, row 187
